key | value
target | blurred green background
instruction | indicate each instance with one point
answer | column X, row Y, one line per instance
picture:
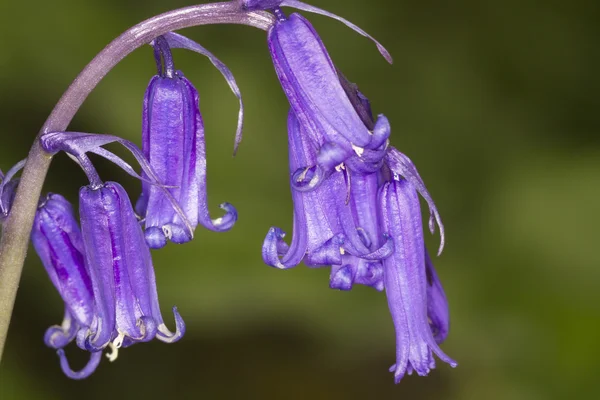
column 496, row 103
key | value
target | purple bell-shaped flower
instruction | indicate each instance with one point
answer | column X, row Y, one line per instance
column 120, row 266
column 173, row 142
column 319, row 101
column 111, row 250
column 57, row 240
column 411, row 292
column 327, row 221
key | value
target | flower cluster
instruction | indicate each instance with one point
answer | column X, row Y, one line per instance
column 101, row 265
column 356, row 204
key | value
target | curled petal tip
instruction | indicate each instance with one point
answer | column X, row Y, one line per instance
column 165, row 335
column 89, row 345
column 273, row 247
column 342, row 278
column 89, row 368
column 381, row 132
column 148, row 327
column 177, row 233
column 386, row 250
column 56, row 337
column 227, row 221
column 155, row 237
column 308, row 178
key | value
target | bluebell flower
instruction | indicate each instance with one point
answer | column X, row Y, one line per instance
column 57, row 240
column 104, row 272
column 406, row 282
column 173, row 142
column 311, row 83
column 120, row 266
column 437, row 304
column 327, row 229
column 356, row 206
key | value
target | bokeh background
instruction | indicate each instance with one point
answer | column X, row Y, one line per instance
column 497, row 104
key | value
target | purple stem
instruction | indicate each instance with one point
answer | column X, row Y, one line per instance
column 17, row 228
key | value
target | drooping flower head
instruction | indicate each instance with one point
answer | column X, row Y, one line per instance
column 413, row 296
column 122, row 274
column 327, row 228
column 173, row 142
column 103, row 273
column 356, row 205
column 330, row 147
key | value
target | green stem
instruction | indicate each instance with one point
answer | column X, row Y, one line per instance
column 17, row 228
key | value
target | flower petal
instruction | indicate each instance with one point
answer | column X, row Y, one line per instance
column 57, row 240
column 437, row 305
column 312, row 85
column 405, row 280
column 167, row 336
column 58, row 336
column 89, row 368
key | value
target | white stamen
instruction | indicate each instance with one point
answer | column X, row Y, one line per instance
column 342, row 251
column 302, row 176
column 114, row 347
column 358, row 150
column 113, row 354
column 167, row 232
column 340, row 167
column 140, row 324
